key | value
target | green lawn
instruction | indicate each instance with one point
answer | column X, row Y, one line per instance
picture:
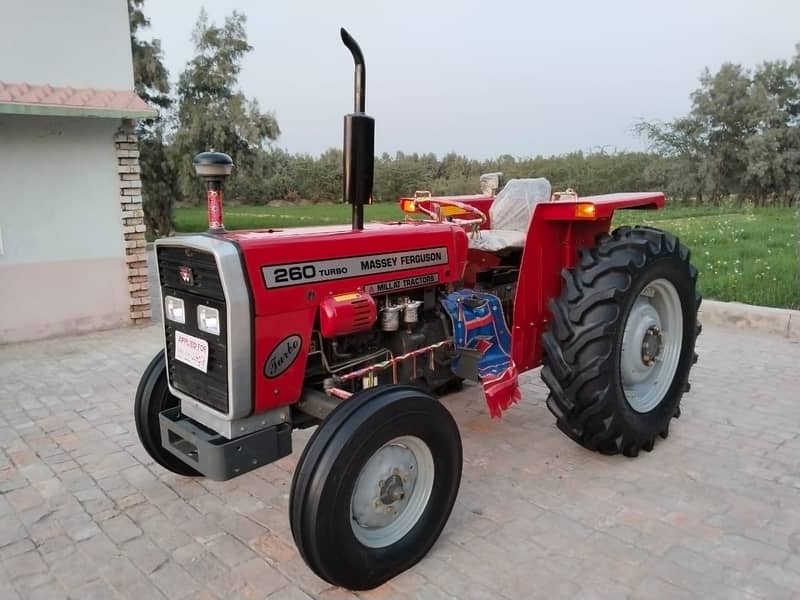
column 266, row 217
column 743, row 255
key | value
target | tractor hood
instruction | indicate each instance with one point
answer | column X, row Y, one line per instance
column 298, row 267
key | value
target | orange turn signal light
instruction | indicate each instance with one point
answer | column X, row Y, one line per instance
column 408, row 205
column 585, row 210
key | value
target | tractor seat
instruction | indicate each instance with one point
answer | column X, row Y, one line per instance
column 510, row 215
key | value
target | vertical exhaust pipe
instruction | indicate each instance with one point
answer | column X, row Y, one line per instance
column 359, row 141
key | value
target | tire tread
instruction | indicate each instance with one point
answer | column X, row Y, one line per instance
column 594, row 281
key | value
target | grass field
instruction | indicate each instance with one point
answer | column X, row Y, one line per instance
column 745, row 255
column 266, row 217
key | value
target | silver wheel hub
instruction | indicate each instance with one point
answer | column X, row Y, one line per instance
column 392, row 491
column 651, row 345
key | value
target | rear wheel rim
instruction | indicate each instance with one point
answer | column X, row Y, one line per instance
column 651, row 345
column 392, row 492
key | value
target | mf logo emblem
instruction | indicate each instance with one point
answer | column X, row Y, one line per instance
column 186, row 274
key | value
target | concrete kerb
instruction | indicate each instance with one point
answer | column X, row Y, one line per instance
column 776, row 321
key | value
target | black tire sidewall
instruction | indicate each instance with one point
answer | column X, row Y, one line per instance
column 676, row 271
column 152, row 397
column 583, row 343
column 337, row 554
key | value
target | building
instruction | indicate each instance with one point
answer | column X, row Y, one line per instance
column 72, row 246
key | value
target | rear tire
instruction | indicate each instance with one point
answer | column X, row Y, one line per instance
column 619, row 348
column 375, row 485
column 152, row 397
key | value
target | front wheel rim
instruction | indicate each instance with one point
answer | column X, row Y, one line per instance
column 392, row 492
column 651, row 345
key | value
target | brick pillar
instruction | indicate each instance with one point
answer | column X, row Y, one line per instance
column 133, row 228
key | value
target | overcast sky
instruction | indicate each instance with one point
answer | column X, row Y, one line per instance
column 485, row 78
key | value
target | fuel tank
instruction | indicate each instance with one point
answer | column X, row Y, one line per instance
column 291, row 271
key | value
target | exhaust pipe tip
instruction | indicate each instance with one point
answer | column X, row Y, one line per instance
column 214, row 168
column 359, row 140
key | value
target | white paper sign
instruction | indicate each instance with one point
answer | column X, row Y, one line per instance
column 191, row 351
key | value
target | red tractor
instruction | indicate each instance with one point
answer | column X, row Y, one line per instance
column 354, row 330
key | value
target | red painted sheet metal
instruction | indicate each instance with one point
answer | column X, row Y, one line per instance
column 296, row 246
column 552, row 243
column 283, row 312
column 605, row 205
column 270, row 331
column 627, row 199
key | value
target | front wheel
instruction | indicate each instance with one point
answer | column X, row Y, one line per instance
column 618, row 351
column 152, row 397
column 375, row 485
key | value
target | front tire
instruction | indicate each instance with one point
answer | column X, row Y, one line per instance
column 618, row 351
column 152, row 397
column 375, row 486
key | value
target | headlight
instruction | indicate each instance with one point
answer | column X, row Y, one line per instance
column 173, row 309
column 208, row 319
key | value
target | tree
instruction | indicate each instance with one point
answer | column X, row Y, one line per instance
column 151, row 82
column 741, row 138
column 212, row 112
column 773, row 151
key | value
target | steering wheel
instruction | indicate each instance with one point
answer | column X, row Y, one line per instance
column 436, row 215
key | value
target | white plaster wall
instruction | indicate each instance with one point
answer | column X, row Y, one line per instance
column 62, row 267
column 77, row 43
column 60, row 191
column 46, row 299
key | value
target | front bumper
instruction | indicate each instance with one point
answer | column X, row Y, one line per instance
column 217, row 457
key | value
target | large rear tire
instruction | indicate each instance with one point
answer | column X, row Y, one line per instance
column 375, row 485
column 152, row 397
column 619, row 348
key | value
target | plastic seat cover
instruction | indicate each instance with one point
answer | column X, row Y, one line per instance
column 511, row 213
column 494, row 240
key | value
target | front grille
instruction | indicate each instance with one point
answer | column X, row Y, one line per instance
column 205, row 279
column 193, row 276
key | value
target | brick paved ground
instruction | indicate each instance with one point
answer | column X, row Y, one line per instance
column 713, row 512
